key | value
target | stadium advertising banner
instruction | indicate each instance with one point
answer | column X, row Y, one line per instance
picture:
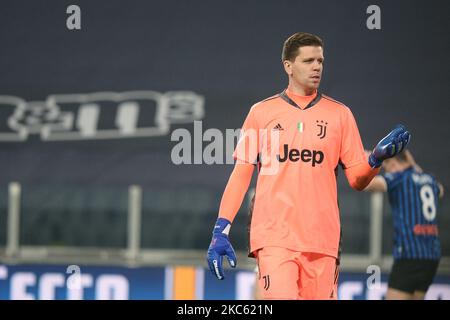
column 72, row 282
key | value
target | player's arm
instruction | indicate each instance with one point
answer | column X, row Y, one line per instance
column 235, row 190
column 412, row 161
column 360, row 175
column 231, row 202
column 378, row 184
column 246, row 156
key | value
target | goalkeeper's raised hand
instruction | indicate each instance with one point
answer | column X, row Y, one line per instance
column 220, row 246
column 389, row 146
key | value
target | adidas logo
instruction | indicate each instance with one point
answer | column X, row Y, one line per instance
column 278, row 127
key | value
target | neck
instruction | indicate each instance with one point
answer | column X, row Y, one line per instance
column 300, row 91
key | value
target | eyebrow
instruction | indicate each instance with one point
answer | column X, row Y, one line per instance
column 309, row 59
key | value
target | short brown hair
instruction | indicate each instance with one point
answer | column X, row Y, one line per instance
column 297, row 40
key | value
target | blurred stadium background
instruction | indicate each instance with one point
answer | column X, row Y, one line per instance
column 87, row 179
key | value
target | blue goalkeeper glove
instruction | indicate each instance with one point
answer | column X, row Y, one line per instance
column 220, row 246
column 389, row 146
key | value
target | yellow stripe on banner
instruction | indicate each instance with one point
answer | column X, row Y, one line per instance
column 184, row 283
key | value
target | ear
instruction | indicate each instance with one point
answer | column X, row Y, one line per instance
column 287, row 67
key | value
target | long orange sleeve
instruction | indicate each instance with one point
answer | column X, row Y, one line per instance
column 359, row 176
column 235, row 190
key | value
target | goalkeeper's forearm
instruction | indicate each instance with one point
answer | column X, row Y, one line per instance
column 235, row 190
column 359, row 176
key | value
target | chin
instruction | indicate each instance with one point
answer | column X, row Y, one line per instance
column 313, row 87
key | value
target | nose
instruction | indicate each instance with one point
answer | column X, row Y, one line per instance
column 317, row 66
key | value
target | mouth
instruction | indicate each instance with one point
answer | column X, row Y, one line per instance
column 315, row 79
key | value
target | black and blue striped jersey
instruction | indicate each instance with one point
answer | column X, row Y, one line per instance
column 413, row 197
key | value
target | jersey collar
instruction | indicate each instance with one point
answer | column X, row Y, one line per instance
column 286, row 98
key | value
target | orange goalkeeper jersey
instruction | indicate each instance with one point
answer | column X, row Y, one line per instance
column 298, row 149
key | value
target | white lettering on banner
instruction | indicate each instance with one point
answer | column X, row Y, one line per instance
column 15, row 284
column 86, row 281
column 48, row 284
column 3, row 272
column 112, row 287
column 349, row 289
column 245, row 285
column 377, row 292
column 82, row 116
column 107, row 286
column 438, row 292
column 20, row 281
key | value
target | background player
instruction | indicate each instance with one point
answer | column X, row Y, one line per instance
column 413, row 197
column 295, row 228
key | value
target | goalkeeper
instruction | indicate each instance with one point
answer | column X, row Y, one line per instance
column 297, row 139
